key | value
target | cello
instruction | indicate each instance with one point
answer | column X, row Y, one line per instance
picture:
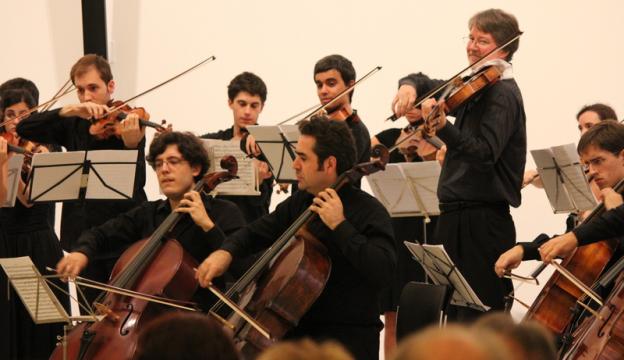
column 287, row 279
column 154, row 267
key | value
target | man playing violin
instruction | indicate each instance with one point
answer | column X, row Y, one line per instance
column 354, row 227
column 601, row 149
column 246, row 97
column 486, row 153
column 179, row 160
column 70, row 127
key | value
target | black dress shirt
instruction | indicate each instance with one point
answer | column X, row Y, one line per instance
column 140, row 222
column 73, row 133
column 361, row 249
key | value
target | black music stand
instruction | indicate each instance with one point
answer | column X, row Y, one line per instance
column 277, row 144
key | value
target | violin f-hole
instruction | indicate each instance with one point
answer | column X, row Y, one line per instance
column 124, row 329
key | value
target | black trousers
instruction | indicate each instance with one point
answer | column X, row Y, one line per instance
column 475, row 235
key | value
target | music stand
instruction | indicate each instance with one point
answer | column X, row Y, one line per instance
column 83, row 175
column 564, row 180
column 277, row 144
column 13, row 178
column 442, row 271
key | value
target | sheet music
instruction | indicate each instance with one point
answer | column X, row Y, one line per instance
column 270, row 141
column 13, row 177
column 70, row 165
column 117, row 168
column 574, row 192
column 247, row 182
column 440, row 268
column 37, row 297
column 392, row 187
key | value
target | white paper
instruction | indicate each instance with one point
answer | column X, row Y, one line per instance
column 116, row 168
column 13, row 177
column 270, row 141
column 66, row 164
column 246, row 184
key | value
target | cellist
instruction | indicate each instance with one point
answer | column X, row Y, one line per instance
column 179, row 160
column 355, row 228
column 482, row 172
column 601, row 149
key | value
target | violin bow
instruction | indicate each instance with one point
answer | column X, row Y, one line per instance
column 315, row 109
column 442, row 86
column 124, row 103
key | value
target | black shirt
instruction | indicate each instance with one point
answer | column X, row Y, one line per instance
column 486, row 147
column 73, row 133
column 361, row 137
column 140, row 222
column 361, row 249
column 252, row 207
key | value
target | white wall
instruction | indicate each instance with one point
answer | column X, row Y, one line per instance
column 568, row 57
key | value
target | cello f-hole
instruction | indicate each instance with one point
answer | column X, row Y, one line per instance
column 123, row 330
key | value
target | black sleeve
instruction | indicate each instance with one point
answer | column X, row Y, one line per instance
column 227, row 218
column 388, row 137
column 114, row 234
column 46, row 127
column 530, row 249
column 498, row 122
column 421, row 82
column 607, row 226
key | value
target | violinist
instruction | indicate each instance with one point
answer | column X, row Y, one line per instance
column 246, row 97
column 484, row 164
column 4, row 160
column 29, row 231
column 179, row 160
column 601, row 149
column 354, row 227
column 70, row 128
column 415, row 149
column 333, row 74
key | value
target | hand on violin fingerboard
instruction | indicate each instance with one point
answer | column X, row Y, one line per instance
column 328, row 206
column 86, row 110
column 404, row 100
column 610, row 198
column 433, row 113
column 131, row 131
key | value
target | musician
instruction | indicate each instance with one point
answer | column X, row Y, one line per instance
column 29, row 231
column 486, row 153
column 246, row 97
column 601, row 149
column 179, row 160
column 354, row 227
column 68, row 127
column 332, row 75
column 410, row 228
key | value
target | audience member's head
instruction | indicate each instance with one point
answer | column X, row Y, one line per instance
column 184, row 336
column 305, row 350
column 527, row 340
column 453, row 342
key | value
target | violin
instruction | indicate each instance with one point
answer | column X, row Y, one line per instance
column 152, row 267
column 109, row 125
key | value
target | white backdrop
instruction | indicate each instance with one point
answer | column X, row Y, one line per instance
column 569, row 56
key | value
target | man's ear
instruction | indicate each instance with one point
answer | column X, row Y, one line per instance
column 111, row 86
column 331, row 163
column 195, row 169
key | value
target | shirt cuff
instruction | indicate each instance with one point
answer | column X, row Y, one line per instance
column 531, row 251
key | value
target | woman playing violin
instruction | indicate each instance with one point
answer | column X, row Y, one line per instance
column 70, row 127
column 482, row 172
column 29, row 231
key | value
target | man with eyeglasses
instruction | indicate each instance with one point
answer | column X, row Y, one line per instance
column 484, row 165
column 601, row 149
column 179, row 160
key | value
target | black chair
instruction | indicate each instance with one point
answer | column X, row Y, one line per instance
column 420, row 305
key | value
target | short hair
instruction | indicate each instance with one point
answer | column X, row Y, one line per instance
column 305, row 349
column 21, row 83
column 501, row 25
column 339, row 63
column 189, row 145
column 604, row 112
column 84, row 64
column 12, row 97
column 184, row 336
column 333, row 138
column 247, row 82
column 606, row 135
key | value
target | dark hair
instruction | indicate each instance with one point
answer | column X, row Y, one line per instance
column 607, row 135
column 84, row 63
column 12, row 97
column 181, row 335
column 189, row 145
column 605, row 112
column 247, row 82
column 340, row 64
column 333, row 138
column 21, row 83
column 501, row 25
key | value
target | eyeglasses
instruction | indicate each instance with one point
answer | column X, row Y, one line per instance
column 172, row 162
column 478, row 41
